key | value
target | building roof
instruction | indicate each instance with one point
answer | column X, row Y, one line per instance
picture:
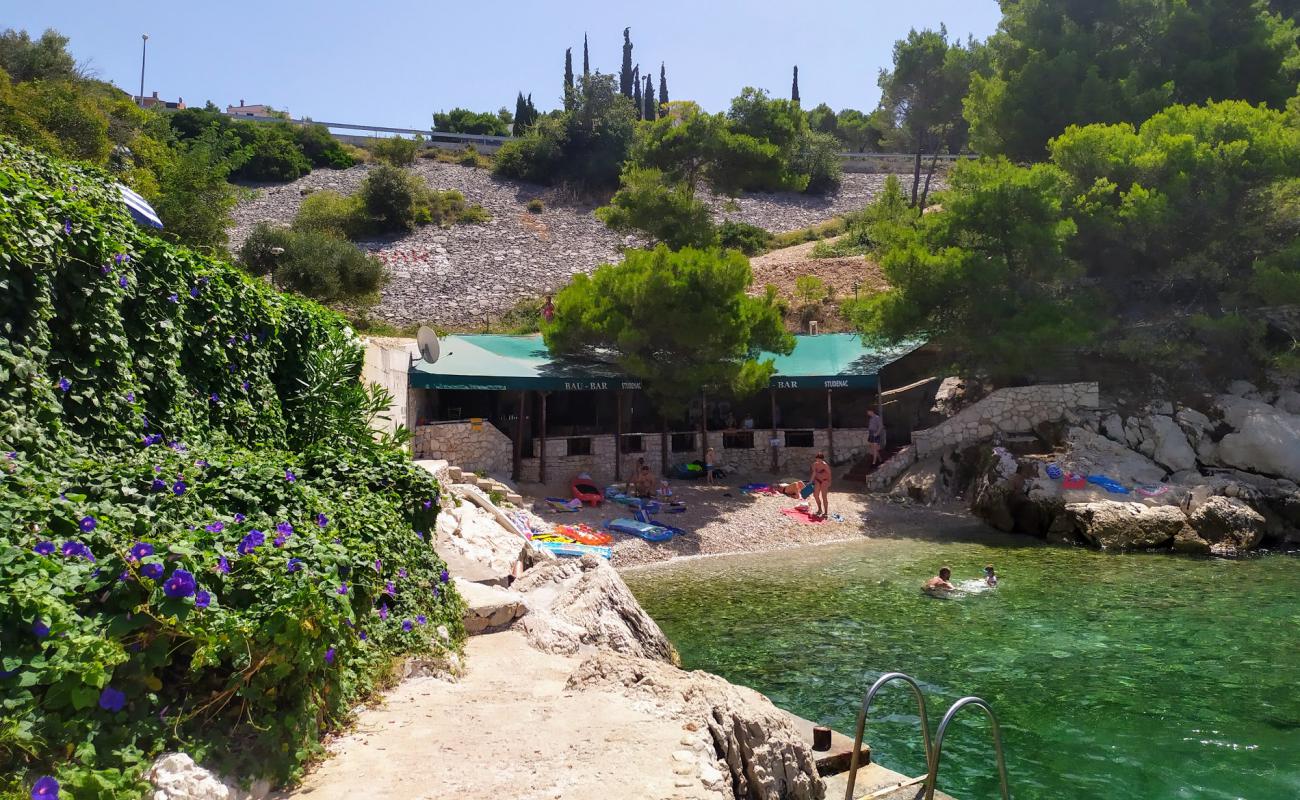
column 498, row 362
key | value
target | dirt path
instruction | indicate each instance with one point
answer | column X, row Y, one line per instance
column 508, row 729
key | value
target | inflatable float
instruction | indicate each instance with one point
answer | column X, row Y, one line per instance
column 586, row 492
column 584, row 534
column 575, row 550
column 642, row 530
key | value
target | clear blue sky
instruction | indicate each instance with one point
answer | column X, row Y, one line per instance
column 394, row 62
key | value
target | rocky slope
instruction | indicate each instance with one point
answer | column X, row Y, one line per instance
column 464, row 276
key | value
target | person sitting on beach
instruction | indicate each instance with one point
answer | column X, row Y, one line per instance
column 645, row 483
column 939, row 582
column 634, row 474
column 990, row 577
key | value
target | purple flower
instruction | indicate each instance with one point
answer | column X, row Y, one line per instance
column 180, row 584
column 390, row 588
column 45, row 788
column 203, row 281
column 231, row 367
column 362, row 635
column 343, row 588
column 43, row 548
column 152, row 571
column 223, row 566
column 443, row 576
column 283, row 528
column 421, row 619
column 88, row 524
column 122, row 281
column 12, row 454
column 240, row 518
column 65, row 384
column 280, row 539
column 428, row 504
column 173, row 298
column 435, row 593
column 406, row 625
column 112, row 699
column 130, row 397
column 194, row 291
column 121, row 257
column 215, row 527
column 379, row 565
column 177, row 446
column 401, row 573
column 67, row 226
column 383, row 611
column 124, row 577
column 295, row 564
column 322, row 520
column 244, row 385
column 213, row 397
column 158, row 485
column 419, row 535
column 178, row 488
column 107, row 268
column 73, row 549
column 152, row 439
column 40, row 629
column 289, row 476
column 141, row 549
column 329, row 656
column 251, row 542
column 202, row 599
column 202, row 463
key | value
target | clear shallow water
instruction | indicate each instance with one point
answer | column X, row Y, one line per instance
column 1136, row 677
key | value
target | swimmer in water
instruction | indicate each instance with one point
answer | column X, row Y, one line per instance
column 990, row 577
column 940, row 582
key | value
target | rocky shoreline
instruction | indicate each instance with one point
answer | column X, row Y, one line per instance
column 464, row 276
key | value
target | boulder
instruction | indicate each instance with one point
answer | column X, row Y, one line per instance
column 1090, row 453
column 1186, row 541
column 1265, row 440
column 1125, row 526
column 755, row 746
column 583, row 602
column 1226, row 520
column 488, row 607
column 1112, row 427
column 923, row 482
column 1288, row 402
column 1241, row 388
column 476, row 546
column 1169, row 444
column 175, row 776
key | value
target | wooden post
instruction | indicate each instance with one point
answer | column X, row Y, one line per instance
column 663, row 446
column 830, row 430
column 517, row 457
column 618, row 438
column 704, row 427
column 541, row 456
column 771, row 444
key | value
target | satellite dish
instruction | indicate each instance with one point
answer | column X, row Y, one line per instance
column 428, row 342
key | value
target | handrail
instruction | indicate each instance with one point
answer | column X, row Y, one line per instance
column 862, row 722
column 932, row 779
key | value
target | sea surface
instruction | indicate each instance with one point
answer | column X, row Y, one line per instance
column 1124, row 677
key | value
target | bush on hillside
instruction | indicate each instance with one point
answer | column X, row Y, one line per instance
column 314, row 263
column 667, row 213
column 396, row 151
column 392, row 200
column 748, row 239
column 462, row 120
column 330, row 212
column 202, row 545
column 889, row 215
column 322, row 149
column 817, row 155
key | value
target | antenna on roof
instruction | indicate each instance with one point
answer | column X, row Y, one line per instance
column 428, row 343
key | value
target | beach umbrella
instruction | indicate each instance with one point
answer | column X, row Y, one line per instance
column 140, row 209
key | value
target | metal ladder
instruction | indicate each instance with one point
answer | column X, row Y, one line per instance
column 933, row 749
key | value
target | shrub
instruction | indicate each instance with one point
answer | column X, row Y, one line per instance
column 474, row 215
column 330, row 212
column 322, row 149
column 536, row 156
column 748, row 239
column 536, row 206
column 314, row 264
column 391, row 197
column 817, row 155
column 274, row 155
column 208, row 408
column 396, row 151
column 462, row 120
column 469, row 157
column 810, row 289
column 668, row 213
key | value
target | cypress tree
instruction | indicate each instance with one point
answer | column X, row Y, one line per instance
column 521, row 116
column 794, row 88
column 530, row 108
column 625, row 74
column 586, row 62
column 636, row 92
column 568, row 77
column 663, row 85
column 651, row 107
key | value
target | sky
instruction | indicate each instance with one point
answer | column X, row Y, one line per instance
column 395, row 62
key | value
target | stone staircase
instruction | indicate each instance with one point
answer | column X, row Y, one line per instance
column 485, row 484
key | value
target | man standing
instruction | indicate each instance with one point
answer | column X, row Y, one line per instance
column 875, row 435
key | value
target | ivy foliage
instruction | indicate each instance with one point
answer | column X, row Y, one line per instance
column 202, row 546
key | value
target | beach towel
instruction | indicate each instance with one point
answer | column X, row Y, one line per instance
column 802, row 516
column 1152, row 491
column 1109, row 484
column 560, row 504
column 1074, row 480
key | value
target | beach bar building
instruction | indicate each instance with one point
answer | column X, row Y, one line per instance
column 506, row 405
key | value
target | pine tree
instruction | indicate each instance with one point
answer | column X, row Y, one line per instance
column 651, row 111
column 663, row 85
column 586, row 62
column 637, row 100
column 794, row 88
column 521, row 116
column 568, row 77
column 625, row 74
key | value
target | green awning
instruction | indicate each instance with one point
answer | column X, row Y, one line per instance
column 496, row 362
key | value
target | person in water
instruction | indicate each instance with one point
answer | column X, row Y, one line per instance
column 940, row 582
column 990, row 577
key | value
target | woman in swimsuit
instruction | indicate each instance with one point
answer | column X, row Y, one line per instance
column 821, row 481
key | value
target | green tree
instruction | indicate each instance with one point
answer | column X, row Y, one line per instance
column 313, row 264
column 392, row 198
column 822, row 119
column 396, row 151
column 663, row 85
column 568, row 75
column 586, row 61
column 1060, row 62
column 46, row 59
column 635, row 309
column 625, row 83
column 650, row 106
column 794, row 86
column 638, row 101
column 666, row 211
column 483, row 123
column 193, row 198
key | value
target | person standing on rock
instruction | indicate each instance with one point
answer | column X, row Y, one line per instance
column 875, row 435
column 821, row 481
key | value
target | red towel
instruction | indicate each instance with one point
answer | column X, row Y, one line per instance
column 802, row 516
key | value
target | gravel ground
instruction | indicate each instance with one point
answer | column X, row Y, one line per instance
column 461, row 277
column 720, row 520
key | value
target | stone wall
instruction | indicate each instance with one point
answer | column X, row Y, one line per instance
column 1014, row 410
column 458, row 443
column 849, row 444
column 388, row 363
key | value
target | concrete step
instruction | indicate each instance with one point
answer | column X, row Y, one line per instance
column 455, row 474
column 874, row 782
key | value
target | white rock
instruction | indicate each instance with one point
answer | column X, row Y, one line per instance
column 1265, row 441
column 488, row 606
column 175, row 776
column 1288, row 401
column 1169, row 444
column 1113, row 428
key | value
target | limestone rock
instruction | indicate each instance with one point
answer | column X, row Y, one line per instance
column 1112, row 427
column 1169, row 444
column 1242, row 389
column 478, row 548
column 175, row 776
column 1125, row 526
column 1265, row 440
column 488, row 607
column 1090, row 453
column 757, row 750
column 1186, row 541
column 1288, row 402
column 922, row 483
column 1223, row 519
column 577, row 602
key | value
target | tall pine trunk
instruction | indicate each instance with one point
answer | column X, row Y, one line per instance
column 928, row 175
column 916, row 172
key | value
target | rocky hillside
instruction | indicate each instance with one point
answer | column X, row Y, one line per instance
column 461, row 277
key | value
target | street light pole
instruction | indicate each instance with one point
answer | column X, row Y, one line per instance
column 144, row 45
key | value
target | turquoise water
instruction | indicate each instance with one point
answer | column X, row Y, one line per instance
column 1129, row 677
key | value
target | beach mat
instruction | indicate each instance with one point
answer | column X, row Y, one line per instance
column 802, row 516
